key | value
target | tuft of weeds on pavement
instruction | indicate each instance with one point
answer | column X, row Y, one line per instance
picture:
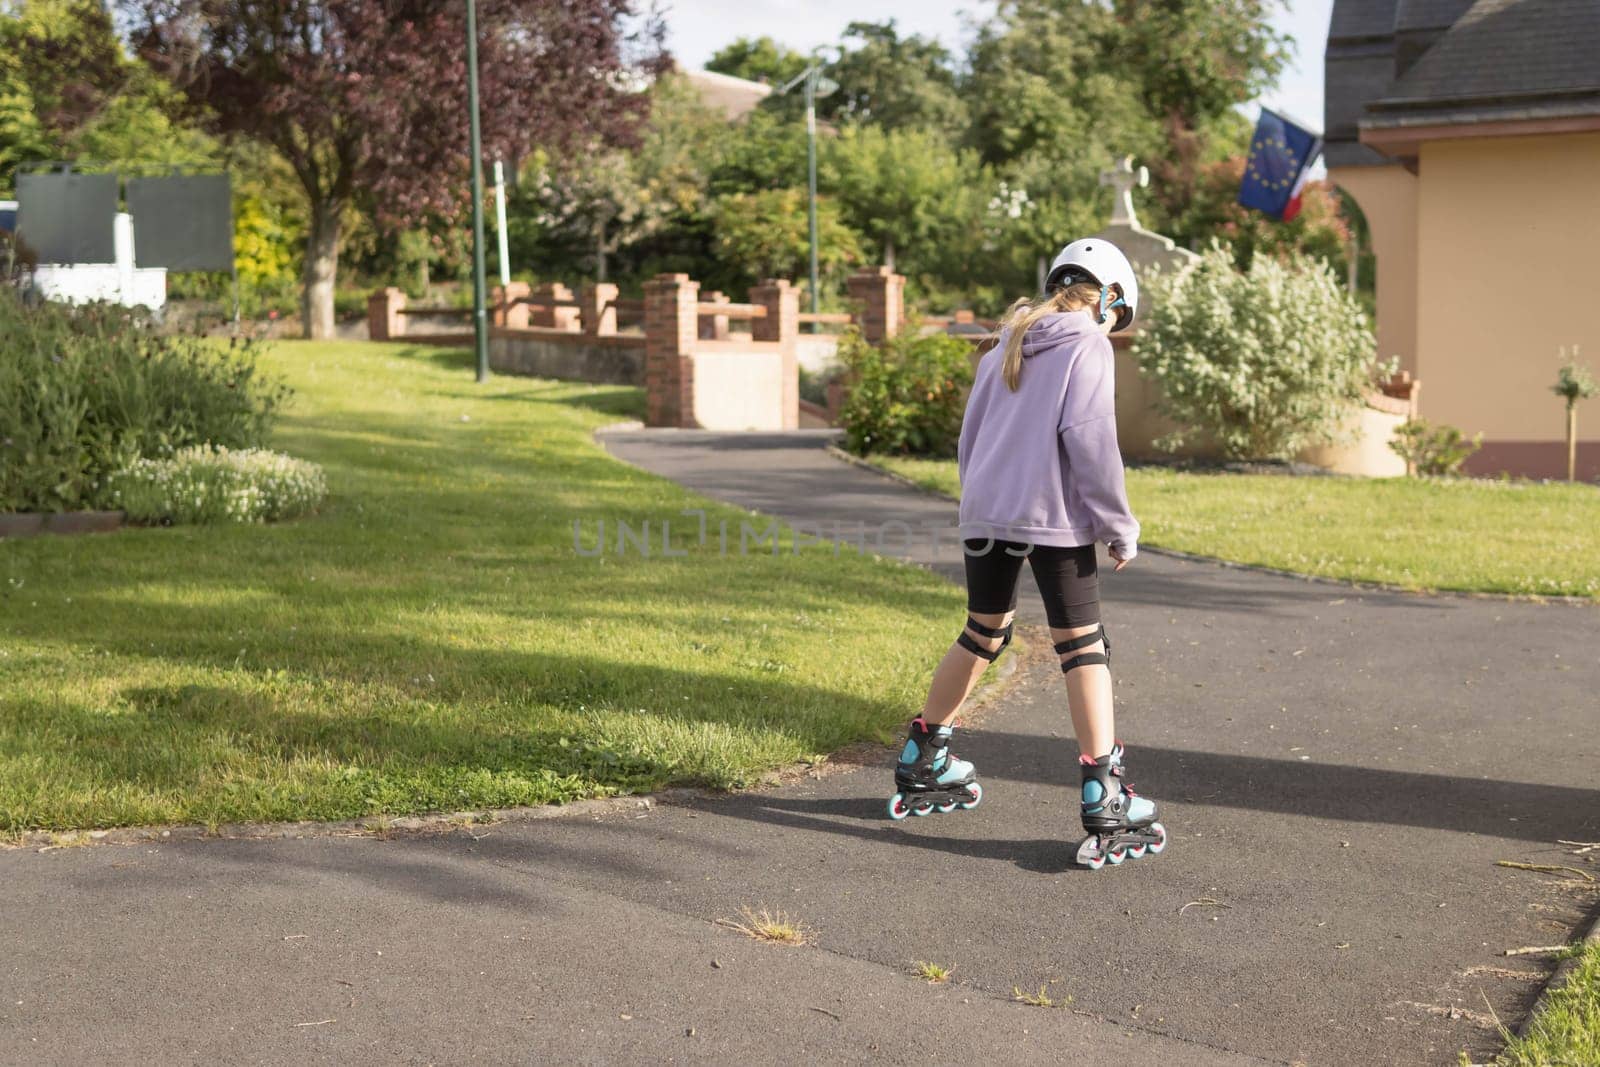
column 1041, row 999
column 933, row 972
column 774, row 926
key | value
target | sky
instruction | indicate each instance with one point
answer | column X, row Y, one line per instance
column 697, row 28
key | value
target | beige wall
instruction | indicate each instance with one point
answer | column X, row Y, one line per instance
column 1139, row 423
column 739, row 387
column 1498, row 213
column 1388, row 198
column 1363, row 447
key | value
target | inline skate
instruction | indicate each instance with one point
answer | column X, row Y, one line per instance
column 1120, row 823
column 928, row 778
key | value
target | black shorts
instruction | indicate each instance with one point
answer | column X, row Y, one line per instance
column 1068, row 579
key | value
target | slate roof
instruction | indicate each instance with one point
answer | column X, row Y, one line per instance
column 1398, row 63
column 1502, row 59
column 1358, row 67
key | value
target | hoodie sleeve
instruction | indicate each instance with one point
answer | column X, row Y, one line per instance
column 1088, row 430
column 973, row 415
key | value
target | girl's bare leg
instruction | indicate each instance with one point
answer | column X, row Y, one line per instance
column 1089, row 695
column 960, row 670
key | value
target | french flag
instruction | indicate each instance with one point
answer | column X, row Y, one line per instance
column 1281, row 155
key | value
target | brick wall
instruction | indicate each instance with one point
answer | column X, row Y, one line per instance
column 671, row 327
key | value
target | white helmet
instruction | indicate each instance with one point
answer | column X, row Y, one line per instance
column 1096, row 260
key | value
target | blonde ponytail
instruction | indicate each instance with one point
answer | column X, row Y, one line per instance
column 1021, row 317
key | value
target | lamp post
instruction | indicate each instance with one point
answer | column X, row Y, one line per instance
column 480, row 322
column 816, row 85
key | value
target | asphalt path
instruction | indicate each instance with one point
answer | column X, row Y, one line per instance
column 1338, row 770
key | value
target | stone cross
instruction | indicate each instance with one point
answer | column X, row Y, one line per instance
column 1123, row 177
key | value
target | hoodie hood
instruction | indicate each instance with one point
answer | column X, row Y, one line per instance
column 1054, row 330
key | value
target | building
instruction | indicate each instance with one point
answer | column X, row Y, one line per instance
column 1468, row 131
column 734, row 97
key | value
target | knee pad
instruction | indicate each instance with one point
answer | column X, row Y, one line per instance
column 966, row 641
column 1085, row 659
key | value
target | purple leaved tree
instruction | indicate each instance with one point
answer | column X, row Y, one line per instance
column 370, row 96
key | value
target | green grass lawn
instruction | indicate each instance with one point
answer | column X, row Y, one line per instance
column 431, row 640
column 1567, row 1031
column 1425, row 534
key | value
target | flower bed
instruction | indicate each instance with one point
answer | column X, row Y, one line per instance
column 205, row 484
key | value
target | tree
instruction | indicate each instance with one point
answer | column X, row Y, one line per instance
column 609, row 198
column 1061, row 88
column 1319, row 230
column 370, row 95
column 767, row 150
column 1050, row 111
column 758, row 59
column 1574, row 382
column 892, row 81
column 1195, row 61
column 69, row 93
column 767, row 235
column 913, row 196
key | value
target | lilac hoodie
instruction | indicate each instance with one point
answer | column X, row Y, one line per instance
column 1041, row 465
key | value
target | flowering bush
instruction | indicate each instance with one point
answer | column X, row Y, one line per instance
column 907, row 396
column 1266, row 362
column 208, row 484
column 84, row 391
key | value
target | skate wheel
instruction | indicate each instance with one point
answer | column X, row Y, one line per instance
column 1096, row 862
column 1161, row 833
column 924, row 808
column 1116, row 856
column 947, row 806
column 975, row 791
column 898, row 809
column 1136, row 851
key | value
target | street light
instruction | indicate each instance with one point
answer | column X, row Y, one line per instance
column 480, row 322
column 816, row 85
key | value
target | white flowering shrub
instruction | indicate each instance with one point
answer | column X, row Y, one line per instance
column 1265, row 362
column 204, row 484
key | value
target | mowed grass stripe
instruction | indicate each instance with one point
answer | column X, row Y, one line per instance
column 430, row 640
column 1461, row 535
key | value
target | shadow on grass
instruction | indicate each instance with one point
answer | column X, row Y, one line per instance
column 473, row 727
column 622, row 401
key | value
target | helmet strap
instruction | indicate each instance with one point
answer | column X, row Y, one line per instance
column 1107, row 303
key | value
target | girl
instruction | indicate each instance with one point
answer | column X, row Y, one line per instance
column 1041, row 480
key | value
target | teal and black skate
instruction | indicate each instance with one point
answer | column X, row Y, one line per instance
column 928, row 778
column 1121, row 824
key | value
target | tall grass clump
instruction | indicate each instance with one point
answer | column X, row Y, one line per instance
column 87, row 391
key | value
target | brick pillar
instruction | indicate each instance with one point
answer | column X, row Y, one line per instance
column 670, row 330
column 510, row 305
column 559, row 318
column 882, row 296
column 782, row 324
column 384, row 320
column 837, row 393
column 598, row 315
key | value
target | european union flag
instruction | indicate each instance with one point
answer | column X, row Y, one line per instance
column 1281, row 154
